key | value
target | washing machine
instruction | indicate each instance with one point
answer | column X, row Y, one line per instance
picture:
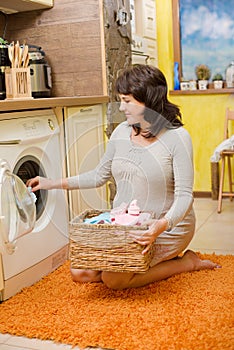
column 33, row 229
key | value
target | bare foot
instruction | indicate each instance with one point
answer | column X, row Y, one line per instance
column 194, row 263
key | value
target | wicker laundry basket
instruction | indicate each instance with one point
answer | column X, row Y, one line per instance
column 106, row 247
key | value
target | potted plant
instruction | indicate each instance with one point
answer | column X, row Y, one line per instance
column 203, row 74
column 218, row 81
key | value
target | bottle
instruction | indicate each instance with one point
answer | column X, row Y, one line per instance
column 133, row 208
column 230, row 75
column 176, row 76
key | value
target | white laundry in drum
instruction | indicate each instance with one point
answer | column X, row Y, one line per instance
column 32, row 194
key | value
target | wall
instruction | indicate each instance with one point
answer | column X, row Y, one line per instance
column 203, row 115
column 71, row 35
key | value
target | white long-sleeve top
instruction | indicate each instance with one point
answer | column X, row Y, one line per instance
column 160, row 175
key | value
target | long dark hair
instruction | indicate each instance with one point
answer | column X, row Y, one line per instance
column 147, row 84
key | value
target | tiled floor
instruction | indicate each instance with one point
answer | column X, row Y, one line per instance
column 214, row 233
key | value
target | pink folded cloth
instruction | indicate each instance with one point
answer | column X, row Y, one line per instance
column 125, row 219
column 122, row 209
column 129, row 215
column 129, row 220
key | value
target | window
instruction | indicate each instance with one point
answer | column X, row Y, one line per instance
column 203, row 33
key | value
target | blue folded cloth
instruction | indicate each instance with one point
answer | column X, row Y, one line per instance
column 104, row 218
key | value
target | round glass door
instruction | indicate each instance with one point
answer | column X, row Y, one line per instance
column 17, row 207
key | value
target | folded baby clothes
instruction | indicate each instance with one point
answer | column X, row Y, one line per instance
column 103, row 218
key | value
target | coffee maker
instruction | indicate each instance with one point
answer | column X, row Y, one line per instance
column 40, row 71
column 4, row 63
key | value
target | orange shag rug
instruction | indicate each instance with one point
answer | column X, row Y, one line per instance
column 190, row 311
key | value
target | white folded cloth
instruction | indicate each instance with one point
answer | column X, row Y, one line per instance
column 226, row 144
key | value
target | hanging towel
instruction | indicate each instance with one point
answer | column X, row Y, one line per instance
column 226, row 144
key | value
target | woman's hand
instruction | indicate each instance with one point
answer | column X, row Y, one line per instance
column 148, row 237
column 40, row 183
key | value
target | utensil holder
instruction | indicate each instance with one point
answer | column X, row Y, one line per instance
column 18, row 83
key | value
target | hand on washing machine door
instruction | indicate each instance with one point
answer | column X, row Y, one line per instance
column 17, row 207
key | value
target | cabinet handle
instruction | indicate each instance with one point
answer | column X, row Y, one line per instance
column 86, row 110
column 150, row 18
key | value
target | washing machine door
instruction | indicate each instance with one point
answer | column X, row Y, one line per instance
column 17, row 208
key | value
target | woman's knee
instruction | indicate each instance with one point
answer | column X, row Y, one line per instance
column 79, row 275
column 115, row 280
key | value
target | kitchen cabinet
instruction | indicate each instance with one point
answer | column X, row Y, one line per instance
column 151, row 50
column 149, row 19
column 14, row 6
column 144, row 33
column 148, row 23
column 143, row 18
column 85, row 144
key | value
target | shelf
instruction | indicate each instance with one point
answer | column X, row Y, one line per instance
column 202, row 92
column 50, row 102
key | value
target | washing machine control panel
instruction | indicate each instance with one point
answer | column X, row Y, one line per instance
column 28, row 130
column 32, row 128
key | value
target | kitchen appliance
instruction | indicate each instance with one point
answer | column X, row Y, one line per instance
column 40, row 71
column 33, row 237
column 4, row 63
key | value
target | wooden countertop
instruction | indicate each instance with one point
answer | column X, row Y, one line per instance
column 51, row 102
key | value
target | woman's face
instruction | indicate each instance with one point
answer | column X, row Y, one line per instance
column 133, row 109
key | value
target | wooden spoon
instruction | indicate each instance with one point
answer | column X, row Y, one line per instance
column 17, row 54
column 25, row 56
column 26, row 62
column 20, row 56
